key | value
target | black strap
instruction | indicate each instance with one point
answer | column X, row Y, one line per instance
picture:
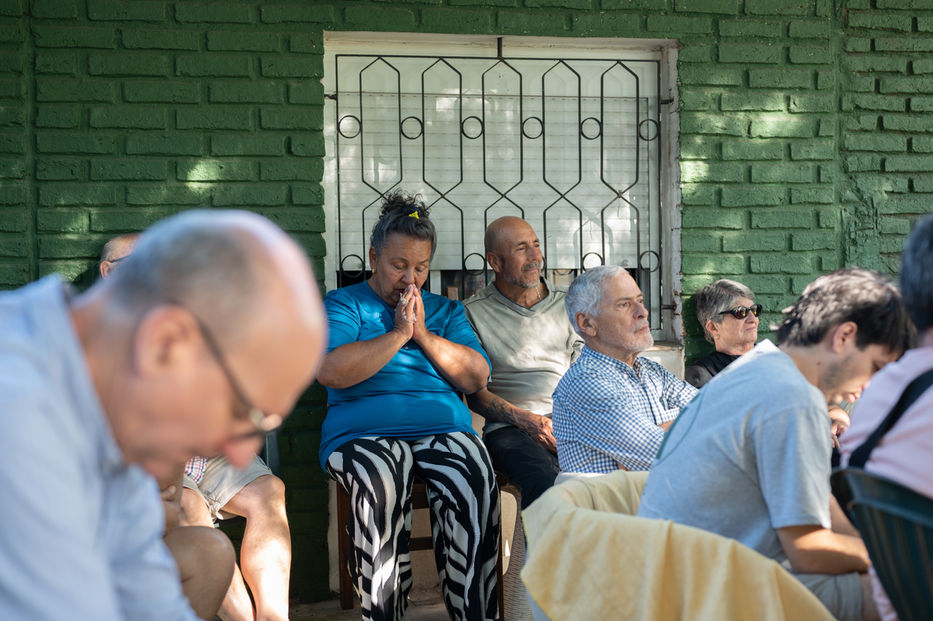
column 910, row 394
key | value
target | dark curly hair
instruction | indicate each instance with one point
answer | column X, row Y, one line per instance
column 404, row 214
column 864, row 297
column 917, row 272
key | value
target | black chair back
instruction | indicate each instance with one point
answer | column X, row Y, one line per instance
column 896, row 524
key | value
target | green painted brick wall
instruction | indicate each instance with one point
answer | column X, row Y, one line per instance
column 805, row 143
column 115, row 114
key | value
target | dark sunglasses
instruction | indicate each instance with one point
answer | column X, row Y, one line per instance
column 741, row 312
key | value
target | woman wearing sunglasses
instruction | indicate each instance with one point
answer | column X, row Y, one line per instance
column 729, row 316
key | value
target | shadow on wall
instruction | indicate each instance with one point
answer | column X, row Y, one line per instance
column 198, row 179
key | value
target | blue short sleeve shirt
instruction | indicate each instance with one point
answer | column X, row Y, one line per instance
column 408, row 397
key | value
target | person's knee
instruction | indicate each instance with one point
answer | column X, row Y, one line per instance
column 198, row 547
column 532, row 488
column 194, row 511
column 262, row 496
column 269, row 489
column 377, row 472
column 217, row 551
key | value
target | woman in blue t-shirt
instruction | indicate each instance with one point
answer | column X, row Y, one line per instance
column 397, row 359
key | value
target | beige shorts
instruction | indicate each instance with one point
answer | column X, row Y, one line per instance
column 841, row 594
column 221, row 482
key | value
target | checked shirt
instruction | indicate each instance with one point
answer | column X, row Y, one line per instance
column 607, row 413
column 195, row 468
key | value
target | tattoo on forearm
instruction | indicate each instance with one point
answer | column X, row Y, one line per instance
column 499, row 410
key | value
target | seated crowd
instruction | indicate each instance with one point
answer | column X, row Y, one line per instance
column 203, row 332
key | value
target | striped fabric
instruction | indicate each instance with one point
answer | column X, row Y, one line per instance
column 464, row 502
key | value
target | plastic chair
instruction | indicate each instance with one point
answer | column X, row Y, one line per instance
column 897, row 526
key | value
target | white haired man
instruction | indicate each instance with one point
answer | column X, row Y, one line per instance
column 200, row 343
column 612, row 406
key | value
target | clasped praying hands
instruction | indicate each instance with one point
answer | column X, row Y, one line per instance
column 409, row 314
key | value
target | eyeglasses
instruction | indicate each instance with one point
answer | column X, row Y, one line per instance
column 263, row 422
column 741, row 312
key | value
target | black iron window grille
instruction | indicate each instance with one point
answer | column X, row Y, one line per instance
column 571, row 145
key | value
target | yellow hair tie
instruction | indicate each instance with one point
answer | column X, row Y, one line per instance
column 414, row 214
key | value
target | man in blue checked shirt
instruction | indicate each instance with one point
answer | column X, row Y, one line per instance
column 612, row 407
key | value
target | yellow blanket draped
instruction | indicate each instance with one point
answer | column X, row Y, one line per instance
column 589, row 557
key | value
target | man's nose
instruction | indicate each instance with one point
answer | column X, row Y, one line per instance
column 241, row 453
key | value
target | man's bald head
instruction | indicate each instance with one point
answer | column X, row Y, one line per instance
column 115, row 250
column 513, row 251
column 218, row 264
column 219, row 313
column 501, row 228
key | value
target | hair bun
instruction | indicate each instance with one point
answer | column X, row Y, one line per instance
column 410, row 205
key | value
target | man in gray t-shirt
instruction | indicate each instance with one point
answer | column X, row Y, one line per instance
column 749, row 458
column 521, row 322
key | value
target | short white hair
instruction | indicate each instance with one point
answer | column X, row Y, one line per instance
column 586, row 292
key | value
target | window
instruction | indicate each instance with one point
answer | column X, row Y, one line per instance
column 573, row 135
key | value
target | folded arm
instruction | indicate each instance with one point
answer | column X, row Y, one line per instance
column 353, row 363
column 611, row 424
column 817, row 550
column 462, row 366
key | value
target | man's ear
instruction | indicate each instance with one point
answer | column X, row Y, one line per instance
column 495, row 263
column 372, row 259
column 167, row 336
column 584, row 324
column 712, row 327
column 105, row 267
column 843, row 336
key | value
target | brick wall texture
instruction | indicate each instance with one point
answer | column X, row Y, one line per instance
column 806, row 140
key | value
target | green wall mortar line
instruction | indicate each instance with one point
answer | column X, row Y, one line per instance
column 31, row 189
column 838, row 34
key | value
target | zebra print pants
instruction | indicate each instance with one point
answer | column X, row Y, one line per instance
column 464, row 503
